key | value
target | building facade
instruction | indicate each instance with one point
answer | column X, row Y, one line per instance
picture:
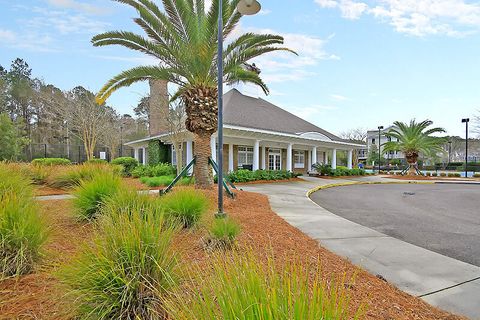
column 260, row 135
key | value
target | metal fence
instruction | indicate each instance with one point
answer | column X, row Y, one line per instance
column 76, row 153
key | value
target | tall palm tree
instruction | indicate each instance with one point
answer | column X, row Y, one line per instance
column 413, row 139
column 183, row 38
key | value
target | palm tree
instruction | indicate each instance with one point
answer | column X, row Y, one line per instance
column 183, row 38
column 413, row 139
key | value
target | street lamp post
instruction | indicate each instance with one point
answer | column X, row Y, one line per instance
column 380, row 128
column 245, row 7
column 466, row 121
column 449, row 152
column 121, row 140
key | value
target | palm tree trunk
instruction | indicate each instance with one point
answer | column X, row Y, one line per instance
column 202, row 120
column 202, row 171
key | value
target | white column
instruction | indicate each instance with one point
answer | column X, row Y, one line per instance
column 264, row 157
column 289, row 157
column 213, row 147
column 314, row 156
column 189, row 155
column 350, row 159
column 256, row 155
column 144, row 151
column 309, row 160
column 135, row 152
column 334, row 159
column 230, row 158
column 325, row 154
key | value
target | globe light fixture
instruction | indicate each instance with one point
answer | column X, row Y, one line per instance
column 248, row 7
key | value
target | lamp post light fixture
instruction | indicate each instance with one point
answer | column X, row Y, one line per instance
column 380, row 128
column 245, row 7
column 466, row 121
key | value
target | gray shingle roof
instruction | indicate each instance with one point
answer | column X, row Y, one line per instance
column 257, row 113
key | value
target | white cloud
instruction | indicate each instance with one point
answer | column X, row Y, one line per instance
column 7, row 36
column 28, row 41
column 79, row 6
column 339, row 97
column 350, row 9
column 415, row 17
column 284, row 66
column 264, row 12
column 65, row 23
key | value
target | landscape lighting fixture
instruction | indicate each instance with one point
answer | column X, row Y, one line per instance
column 248, row 7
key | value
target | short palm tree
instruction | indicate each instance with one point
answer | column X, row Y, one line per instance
column 414, row 139
column 183, row 38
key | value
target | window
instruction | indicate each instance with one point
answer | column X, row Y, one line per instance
column 245, row 156
column 299, row 159
column 373, row 141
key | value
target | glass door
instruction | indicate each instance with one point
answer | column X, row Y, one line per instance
column 274, row 159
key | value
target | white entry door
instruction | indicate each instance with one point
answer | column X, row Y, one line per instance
column 274, row 159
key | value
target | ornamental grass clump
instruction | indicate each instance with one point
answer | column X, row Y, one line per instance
column 22, row 231
column 90, row 194
column 185, row 205
column 128, row 200
column 223, row 233
column 126, row 271
column 239, row 286
column 71, row 176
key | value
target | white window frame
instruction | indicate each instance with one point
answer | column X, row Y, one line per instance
column 299, row 159
column 244, row 153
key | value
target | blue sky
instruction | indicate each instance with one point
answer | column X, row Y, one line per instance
column 360, row 64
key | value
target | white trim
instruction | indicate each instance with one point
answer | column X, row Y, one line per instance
column 289, row 135
column 289, row 157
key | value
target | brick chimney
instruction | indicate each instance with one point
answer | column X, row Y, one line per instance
column 158, row 105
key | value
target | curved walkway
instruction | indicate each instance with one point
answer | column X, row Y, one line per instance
column 442, row 281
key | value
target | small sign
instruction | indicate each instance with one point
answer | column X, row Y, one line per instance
column 103, row 155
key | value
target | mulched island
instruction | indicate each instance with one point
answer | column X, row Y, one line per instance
column 38, row 296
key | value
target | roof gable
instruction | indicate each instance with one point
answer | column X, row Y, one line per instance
column 257, row 113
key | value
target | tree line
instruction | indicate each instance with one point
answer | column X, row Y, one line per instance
column 34, row 112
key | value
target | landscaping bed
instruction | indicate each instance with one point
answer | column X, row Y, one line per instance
column 39, row 296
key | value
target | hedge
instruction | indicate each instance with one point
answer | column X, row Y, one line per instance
column 247, row 175
column 128, row 164
column 51, row 161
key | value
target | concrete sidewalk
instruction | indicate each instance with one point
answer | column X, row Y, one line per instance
column 442, row 281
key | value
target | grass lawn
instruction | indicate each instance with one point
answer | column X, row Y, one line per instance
column 40, row 296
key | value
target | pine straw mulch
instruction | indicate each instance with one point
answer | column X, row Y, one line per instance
column 37, row 296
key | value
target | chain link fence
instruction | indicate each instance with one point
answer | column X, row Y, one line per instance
column 76, row 153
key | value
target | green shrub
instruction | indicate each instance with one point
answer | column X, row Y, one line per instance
column 128, row 200
column 223, row 233
column 22, row 231
column 127, row 163
column 185, row 205
column 90, row 194
column 241, row 287
column 247, row 175
column 434, row 174
column 164, row 181
column 51, row 162
column 127, row 270
column 476, row 175
column 443, row 174
column 161, row 169
column 428, row 174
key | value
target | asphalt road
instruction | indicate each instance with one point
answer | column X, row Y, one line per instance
column 442, row 218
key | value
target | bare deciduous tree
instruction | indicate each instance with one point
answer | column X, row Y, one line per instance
column 357, row 135
column 84, row 116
